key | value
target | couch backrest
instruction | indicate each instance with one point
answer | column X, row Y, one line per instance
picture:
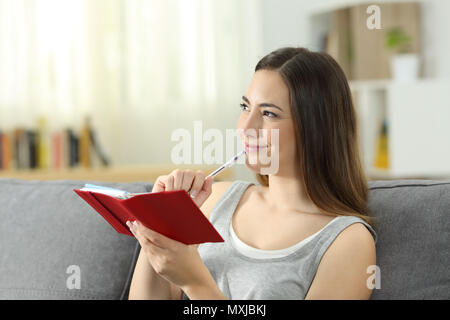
column 412, row 221
column 49, row 236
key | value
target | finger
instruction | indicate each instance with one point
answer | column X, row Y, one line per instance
column 178, row 179
column 157, row 238
column 130, row 226
column 146, row 243
column 140, row 238
column 169, row 183
column 159, row 185
column 188, row 179
column 205, row 192
column 197, row 185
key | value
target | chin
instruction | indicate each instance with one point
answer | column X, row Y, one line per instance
column 263, row 162
column 260, row 168
column 256, row 168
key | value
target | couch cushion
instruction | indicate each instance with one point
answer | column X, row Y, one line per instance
column 412, row 220
column 49, row 236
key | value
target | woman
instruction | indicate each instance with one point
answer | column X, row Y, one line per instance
column 304, row 232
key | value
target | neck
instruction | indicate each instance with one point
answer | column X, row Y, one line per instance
column 286, row 192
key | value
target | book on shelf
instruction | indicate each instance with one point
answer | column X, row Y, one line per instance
column 39, row 148
column 32, row 148
column 85, row 145
column 5, row 150
column 43, row 144
column 73, row 148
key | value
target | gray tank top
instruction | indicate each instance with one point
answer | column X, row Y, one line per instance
column 244, row 272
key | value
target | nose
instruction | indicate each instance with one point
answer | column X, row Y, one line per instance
column 252, row 122
column 251, row 127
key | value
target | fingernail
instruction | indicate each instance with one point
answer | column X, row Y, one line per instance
column 135, row 223
column 128, row 223
column 193, row 194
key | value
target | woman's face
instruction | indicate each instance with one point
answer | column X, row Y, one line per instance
column 266, row 105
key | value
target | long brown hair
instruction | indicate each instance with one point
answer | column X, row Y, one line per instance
column 325, row 129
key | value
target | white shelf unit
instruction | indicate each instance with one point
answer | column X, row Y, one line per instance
column 418, row 118
column 417, row 113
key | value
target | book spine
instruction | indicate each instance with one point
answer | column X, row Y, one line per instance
column 56, row 146
column 21, row 152
column 73, row 148
column 104, row 211
column 120, row 215
column 43, row 144
column 32, row 149
column 16, row 149
column 6, row 151
column 85, row 145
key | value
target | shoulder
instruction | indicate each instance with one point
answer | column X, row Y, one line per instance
column 355, row 234
column 354, row 242
column 218, row 190
column 342, row 272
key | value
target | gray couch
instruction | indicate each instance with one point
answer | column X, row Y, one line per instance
column 49, row 236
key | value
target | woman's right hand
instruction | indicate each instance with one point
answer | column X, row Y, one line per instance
column 193, row 182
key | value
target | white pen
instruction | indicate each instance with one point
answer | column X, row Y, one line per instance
column 227, row 164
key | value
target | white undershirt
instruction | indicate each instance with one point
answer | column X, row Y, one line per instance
column 255, row 253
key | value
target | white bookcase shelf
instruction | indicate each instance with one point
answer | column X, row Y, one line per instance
column 418, row 118
column 417, row 113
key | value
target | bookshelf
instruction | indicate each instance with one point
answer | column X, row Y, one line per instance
column 416, row 112
column 37, row 153
column 418, row 115
column 40, row 148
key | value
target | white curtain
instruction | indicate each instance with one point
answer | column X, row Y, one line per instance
column 139, row 68
column 43, row 62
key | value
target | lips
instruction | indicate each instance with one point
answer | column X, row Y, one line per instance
column 254, row 147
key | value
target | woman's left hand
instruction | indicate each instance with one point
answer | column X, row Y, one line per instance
column 175, row 261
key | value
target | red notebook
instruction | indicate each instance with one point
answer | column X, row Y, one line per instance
column 171, row 213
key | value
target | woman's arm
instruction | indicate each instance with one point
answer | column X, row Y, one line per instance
column 148, row 285
column 342, row 272
column 175, row 263
column 205, row 291
column 148, row 282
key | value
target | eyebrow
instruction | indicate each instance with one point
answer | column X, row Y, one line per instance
column 270, row 105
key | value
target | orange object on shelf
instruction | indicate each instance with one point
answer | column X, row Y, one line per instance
column 6, row 151
column 85, row 144
column 382, row 155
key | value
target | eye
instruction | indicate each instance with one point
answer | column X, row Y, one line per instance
column 267, row 113
column 243, row 106
column 273, row 115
